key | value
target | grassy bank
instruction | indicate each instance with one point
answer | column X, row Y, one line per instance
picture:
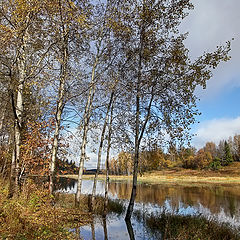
column 32, row 215
column 172, row 225
column 189, row 227
column 226, row 175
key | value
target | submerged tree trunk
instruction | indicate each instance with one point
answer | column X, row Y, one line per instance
column 107, row 163
column 137, row 128
column 93, row 231
column 86, row 118
column 137, row 122
column 138, row 138
column 135, row 166
column 100, row 149
column 130, row 229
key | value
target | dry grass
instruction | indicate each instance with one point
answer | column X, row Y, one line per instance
column 32, row 215
column 176, row 227
column 226, row 175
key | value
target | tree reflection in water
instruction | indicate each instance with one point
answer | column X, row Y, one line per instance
column 105, row 227
column 130, row 229
column 214, row 201
column 161, row 225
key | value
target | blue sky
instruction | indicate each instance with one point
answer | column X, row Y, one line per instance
column 223, row 105
column 211, row 23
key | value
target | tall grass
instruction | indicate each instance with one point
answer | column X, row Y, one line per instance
column 177, row 227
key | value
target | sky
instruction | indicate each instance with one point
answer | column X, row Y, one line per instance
column 212, row 23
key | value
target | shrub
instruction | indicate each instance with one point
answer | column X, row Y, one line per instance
column 215, row 164
column 32, row 215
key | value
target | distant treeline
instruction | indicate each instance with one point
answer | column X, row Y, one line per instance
column 64, row 167
column 211, row 156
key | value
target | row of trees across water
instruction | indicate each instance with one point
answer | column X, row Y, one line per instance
column 211, row 156
column 119, row 70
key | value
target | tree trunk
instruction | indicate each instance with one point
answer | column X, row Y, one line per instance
column 3, row 117
column 130, row 230
column 93, row 231
column 60, row 103
column 60, row 106
column 7, row 148
column 18, row 113
column 86, row 118
column 12, row 174
column 107, row 163
column 135, row 166
column 137, row 127
column 100, row 149
column 138, row 138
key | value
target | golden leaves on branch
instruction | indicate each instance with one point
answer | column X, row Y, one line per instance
column 36, row 147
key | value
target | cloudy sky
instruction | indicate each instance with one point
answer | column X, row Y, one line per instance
column 211, row 23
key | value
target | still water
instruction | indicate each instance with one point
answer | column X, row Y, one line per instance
column 218, row 202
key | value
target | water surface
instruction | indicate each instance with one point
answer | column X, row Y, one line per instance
column 218, row 202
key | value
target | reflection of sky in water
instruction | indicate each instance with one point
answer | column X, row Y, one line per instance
column 86, row 188
column 116, row 229
column 116, row 225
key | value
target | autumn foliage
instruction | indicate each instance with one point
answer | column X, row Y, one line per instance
column 36, row 147
column 210, row 157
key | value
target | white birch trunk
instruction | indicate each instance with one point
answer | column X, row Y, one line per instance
column 107, row 163
column 3, row 117
column 137, row 127
column 21, row 64
column 60, row 106
column 100, row 149
column 86, row 118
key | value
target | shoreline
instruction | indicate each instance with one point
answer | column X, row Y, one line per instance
column 167, row 179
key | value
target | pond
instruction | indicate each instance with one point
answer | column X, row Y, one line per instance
column 218, row 202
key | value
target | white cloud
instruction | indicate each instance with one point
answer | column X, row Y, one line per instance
column 92, row 162
column 216, row 130
column 211, row 23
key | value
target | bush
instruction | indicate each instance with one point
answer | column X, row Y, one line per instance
column 32, row 215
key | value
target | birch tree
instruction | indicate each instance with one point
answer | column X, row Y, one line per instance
column 19, row 24
column 161, row 77
column 100, row 149
column 102, row 57
column 68, row 20
column 63, row 60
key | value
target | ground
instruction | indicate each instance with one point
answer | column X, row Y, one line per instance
column 226, row 175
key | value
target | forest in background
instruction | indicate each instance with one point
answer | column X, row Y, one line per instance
column 210, row 157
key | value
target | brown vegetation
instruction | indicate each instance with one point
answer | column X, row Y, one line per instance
column 33, row 215
column 177, row 227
